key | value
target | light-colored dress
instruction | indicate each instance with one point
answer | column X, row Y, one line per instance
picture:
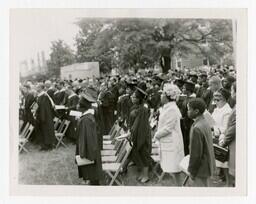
column 221, row 116
column 170, row 138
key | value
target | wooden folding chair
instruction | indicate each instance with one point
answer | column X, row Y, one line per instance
column 113, row 169
column 156, row 158
column 57, row 123
column 113, row 144
column 114, row 158
column 23, row 139
column 112, row 132
column 21, row 122
column 25, row 128
column 61, row 133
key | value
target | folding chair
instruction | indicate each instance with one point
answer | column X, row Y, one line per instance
column 57, row 123
column 116, row 157
column 21, row 122
column 23, row 139
column 112, row 132
column 113, row 169
column 156, row 158
column 22, row 131
column 113, row 144
column 61, row 133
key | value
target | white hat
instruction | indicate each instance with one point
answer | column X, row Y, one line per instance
column 171, row 90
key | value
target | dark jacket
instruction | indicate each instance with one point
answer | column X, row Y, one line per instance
column 202, row 160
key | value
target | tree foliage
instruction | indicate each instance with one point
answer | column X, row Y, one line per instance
column 140, row 43
column 61, row 55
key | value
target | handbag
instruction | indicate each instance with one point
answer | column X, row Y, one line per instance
column 221, row 154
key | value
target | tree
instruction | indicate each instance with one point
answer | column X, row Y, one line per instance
column 141, row 43
column 61, row 55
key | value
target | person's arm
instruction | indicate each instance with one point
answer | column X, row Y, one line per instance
column 169, row 123
column 196, row 152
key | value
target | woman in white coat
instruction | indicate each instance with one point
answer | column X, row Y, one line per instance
column 169, row 132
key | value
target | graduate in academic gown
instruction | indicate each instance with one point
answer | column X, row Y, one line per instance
column 140, row 133
column 60, row 98
column 44, row 118
column 29, row 100
column 125, row 103
column 60, row 95
column 87, row 144
column 186, row 122
column 72, row 102
column 106, row 101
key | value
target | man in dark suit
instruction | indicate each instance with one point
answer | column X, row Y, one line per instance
column 202, row 161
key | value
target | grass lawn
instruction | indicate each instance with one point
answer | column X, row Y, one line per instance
column 57, row 167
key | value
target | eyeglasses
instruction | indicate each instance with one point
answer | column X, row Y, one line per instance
column 216, row 100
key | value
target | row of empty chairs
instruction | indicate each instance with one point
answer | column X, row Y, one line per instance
column 60, row 128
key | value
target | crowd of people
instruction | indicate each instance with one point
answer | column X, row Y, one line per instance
column 171, row 109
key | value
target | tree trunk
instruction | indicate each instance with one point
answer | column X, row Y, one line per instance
column 165, row 63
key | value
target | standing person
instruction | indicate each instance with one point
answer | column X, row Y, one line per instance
column 203, row 85
column 44, row 119
column 227, row 83
column 60, row 94
column 169, row 132
column 230, row 140
column 202, row 161
column 214, row 85
column 29, row 100
column 106, row 102
column 221, row 115
column 186, row 122
column 72, row 102
column 125, row 102
column 140, row 133
column 51, row 89
column 87, row 144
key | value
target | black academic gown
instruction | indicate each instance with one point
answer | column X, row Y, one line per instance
column 71, row 105
column 87, row 147
column 107, row 110
column 185, row 123
column 44, row 118
column 28, row 116
column 140, row 135
column 60, row 98
column 154, row 98
column 51, row 92
column 124, row 106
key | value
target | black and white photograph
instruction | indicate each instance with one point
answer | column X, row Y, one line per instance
column 130, row 100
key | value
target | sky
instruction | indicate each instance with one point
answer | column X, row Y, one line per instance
column 33, row 30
